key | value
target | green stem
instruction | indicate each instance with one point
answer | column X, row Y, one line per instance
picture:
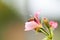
column 51, row 33
column 47, row 38
column 43, row 31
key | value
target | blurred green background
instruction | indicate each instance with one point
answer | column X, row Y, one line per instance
column 14, row 14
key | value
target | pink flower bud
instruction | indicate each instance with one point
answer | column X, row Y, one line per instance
column 53, row 24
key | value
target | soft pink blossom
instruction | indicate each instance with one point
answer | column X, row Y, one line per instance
column 53, row 24
column 32, row 24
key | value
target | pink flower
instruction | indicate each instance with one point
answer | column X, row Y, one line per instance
column 32, row 23
column 53, row 24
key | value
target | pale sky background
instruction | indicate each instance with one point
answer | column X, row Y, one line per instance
column 49, row 8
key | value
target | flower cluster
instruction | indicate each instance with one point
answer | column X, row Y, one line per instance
column 38, row 25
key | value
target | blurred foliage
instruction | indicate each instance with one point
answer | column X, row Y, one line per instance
column 8, row 14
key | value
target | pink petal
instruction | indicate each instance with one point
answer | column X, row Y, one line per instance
column 30, row 25
column 53, row 24
column 36, row 15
